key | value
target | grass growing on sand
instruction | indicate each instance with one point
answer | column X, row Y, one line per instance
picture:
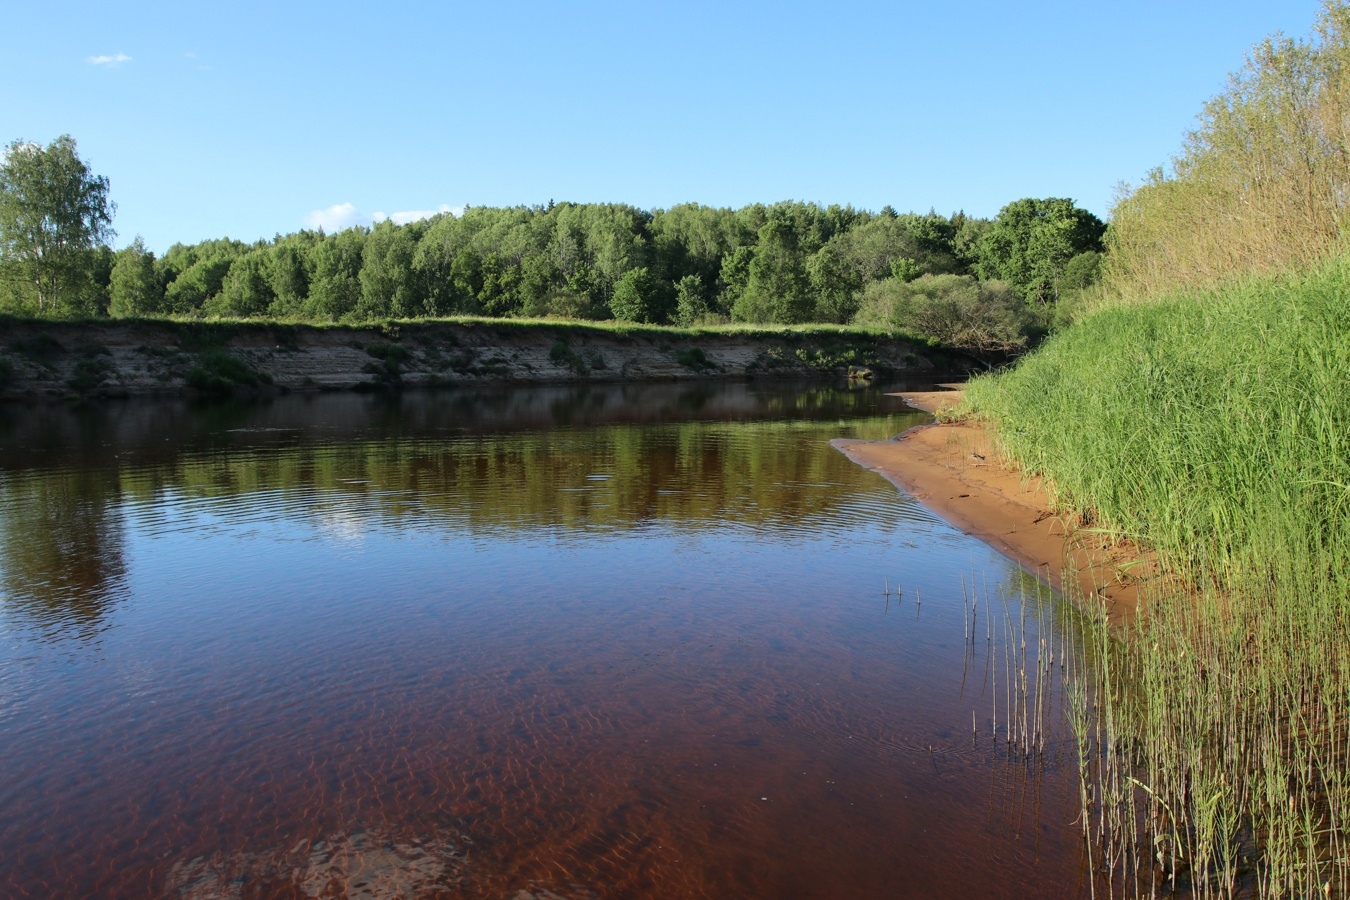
column 1213, row 427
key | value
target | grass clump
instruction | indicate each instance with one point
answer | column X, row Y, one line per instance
column 1214, row 428
column 92, row 369
column 695, row 359
column 393, row 356
column 220, row 372
column 561, row 353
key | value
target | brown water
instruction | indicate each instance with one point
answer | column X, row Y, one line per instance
column 560, row 642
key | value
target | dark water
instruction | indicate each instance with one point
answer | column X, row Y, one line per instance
column 550, row 642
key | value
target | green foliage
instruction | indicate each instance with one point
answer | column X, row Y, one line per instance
column 219, row 372
column 562, row 354
column 289, row 268
column 954, row 310
column 53, row 212
column 778, row 288
column 193, row 276
column 691, row 306
column 245, row 290
column 91, row 369
column 694, row 358
column 135, row 288
column 390, row 286
column 905, row 269
column 635, row 299
column 336, row 288
column 784, row 263
column 391, row 357
column 1032, row 241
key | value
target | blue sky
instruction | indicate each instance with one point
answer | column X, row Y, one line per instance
column 251, row 119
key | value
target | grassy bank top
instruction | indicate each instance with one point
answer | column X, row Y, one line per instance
column 392, row 327
column 1213, row 425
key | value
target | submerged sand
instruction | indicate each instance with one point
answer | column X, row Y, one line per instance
column 953, row 469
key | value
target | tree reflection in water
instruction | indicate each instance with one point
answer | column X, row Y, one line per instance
column 61, row 550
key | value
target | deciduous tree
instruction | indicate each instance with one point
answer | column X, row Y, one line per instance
column 135, row 286
column 53, row 212
column 1032, row 240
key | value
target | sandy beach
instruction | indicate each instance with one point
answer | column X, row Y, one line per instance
column 953, row 470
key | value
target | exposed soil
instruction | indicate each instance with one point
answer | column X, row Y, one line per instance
column 59, row 360
column 953, row 469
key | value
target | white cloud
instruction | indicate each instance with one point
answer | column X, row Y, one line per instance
column 337, row 217
column 110, row 62
column 416, row 215
column 346, row 215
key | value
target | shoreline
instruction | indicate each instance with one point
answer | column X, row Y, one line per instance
column 954, row 470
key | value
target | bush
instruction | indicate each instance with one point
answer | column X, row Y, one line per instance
column 635, row 298
column 955, row 310
column 694, row 358
column 219, row 372
column 392, row 355
column 1259, row 187
column 564, row 355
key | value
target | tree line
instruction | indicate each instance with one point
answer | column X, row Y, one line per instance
column 785, row 263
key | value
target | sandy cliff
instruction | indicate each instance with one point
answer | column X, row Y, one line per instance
column 55, row 359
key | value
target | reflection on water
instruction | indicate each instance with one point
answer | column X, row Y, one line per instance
column 61, row 546
column 559, row 642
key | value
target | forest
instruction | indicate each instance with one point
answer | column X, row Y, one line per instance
column 967, row 281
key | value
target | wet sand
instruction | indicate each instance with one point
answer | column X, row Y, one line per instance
column 953, row 469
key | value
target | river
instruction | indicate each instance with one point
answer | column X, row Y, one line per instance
column 590, row 641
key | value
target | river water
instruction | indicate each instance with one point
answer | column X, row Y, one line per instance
column 545, row 642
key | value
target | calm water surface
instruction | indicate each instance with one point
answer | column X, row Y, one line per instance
column 548, row 642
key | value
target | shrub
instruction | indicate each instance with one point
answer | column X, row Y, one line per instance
column 955, row 310
column 218, row 371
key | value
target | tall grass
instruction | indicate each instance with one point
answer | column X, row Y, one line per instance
column 1213, row 427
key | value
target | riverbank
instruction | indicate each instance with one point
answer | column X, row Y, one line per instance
column 1213, row 425
column 55, row 360
column 953, row 469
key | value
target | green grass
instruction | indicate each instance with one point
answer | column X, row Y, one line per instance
column 198, row 330
column 218, row 371
column 391, row 357
column 1214, row 428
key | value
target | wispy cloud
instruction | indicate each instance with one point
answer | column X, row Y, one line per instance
column 345, row 215
column 108, row 62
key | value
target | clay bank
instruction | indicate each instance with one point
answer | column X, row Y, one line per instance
column 55, row 360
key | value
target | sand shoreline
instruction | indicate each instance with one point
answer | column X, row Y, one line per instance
column 953, row 469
